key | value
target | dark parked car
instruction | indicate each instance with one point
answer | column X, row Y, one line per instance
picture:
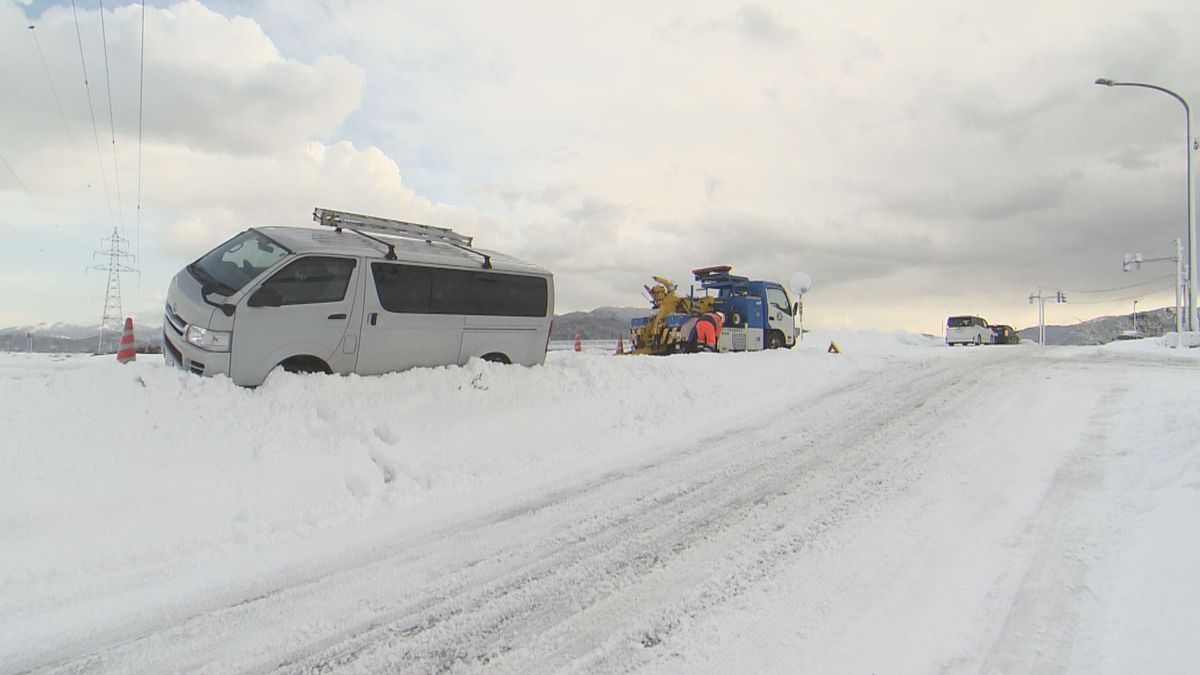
column 1004, row 335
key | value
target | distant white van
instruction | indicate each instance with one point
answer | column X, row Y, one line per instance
column 968, row 330
column 345, row 300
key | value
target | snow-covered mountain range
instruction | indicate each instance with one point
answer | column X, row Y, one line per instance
column 603, row 323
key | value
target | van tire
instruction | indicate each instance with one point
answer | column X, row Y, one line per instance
column 496, row 357
column 775, row 340
column 305, row 364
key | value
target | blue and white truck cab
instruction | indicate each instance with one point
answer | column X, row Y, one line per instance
column 761, row 309
column 757, row 314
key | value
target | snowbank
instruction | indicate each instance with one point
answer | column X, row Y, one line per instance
column 129, row 488
column 110, row 468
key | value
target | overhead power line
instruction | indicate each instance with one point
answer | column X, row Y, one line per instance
column 141, row 87
column 112, row 125
column 54, row 92
column 92, row 111
column 31, row 198
column 21, row 183
column 23, row 238
column 1122, row 288
column 1136, row 296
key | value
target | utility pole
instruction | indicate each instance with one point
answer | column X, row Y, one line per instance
column 1193, row 144
column 1041, row 297
column 113, row 317
column 1135, row 316
column 1135, row 260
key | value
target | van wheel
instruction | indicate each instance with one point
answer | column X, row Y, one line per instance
column 497, row 358
column 305, row 364
column 978, row 340
column 774, row 340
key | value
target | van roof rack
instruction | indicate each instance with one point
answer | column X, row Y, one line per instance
column 361, row 224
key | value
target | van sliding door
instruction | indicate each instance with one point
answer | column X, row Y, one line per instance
column 406, row 320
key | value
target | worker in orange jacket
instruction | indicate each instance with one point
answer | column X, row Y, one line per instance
column 708, row 329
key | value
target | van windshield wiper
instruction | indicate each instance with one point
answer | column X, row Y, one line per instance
column 211, row 285
column 198, row 272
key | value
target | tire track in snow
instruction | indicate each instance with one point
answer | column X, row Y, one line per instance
column 589, row 577
column 1037, row 634
column 654, row 552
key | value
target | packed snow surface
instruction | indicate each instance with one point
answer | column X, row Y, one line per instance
column 901, row 506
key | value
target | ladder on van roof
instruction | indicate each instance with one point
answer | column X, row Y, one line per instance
column 361, row 224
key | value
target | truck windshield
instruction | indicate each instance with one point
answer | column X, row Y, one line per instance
column 235, row 263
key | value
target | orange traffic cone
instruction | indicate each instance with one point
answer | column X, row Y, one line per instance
column 126, row 353
column 578, row 344
column 620, row 344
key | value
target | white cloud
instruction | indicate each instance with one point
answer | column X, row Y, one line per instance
column 886, row 149
column 210, row 82
column 232, row 137
column 223, row 194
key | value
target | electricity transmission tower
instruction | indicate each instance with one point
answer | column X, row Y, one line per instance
column 117, row 251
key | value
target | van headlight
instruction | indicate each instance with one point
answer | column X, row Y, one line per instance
column 212, row 340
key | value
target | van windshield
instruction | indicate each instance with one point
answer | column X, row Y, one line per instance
column 235, row 263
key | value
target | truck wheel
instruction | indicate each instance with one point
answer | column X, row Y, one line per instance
column 735, row 320
column 774, row 340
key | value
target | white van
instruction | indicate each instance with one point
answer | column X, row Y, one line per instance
column 347, row 301
column 968, row 330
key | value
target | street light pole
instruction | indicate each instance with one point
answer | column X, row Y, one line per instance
column 1187, row 111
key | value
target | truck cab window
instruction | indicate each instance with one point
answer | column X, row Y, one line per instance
column 778, row 300
column 312, row 280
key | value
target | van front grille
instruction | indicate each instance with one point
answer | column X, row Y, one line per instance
column 174, row 321
column 168, row 348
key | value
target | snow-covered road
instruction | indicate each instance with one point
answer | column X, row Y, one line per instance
column 901, row 507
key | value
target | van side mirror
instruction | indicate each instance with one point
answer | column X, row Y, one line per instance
column 795, row 307
column 266, row 296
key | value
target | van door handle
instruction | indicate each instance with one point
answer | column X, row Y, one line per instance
column 373, row 316
column 337, row 316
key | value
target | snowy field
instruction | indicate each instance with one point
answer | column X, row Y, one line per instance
column 900, row 507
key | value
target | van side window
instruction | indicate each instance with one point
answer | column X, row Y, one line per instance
column 403, row 288
column 414, row 289
column 506, row 295
column 312, row 280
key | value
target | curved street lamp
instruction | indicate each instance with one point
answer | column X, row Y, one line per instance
column 1191, row 239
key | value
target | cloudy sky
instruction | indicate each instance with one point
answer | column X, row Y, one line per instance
column 916, row 159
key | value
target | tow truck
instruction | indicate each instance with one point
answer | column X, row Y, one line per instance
column 758, row 314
